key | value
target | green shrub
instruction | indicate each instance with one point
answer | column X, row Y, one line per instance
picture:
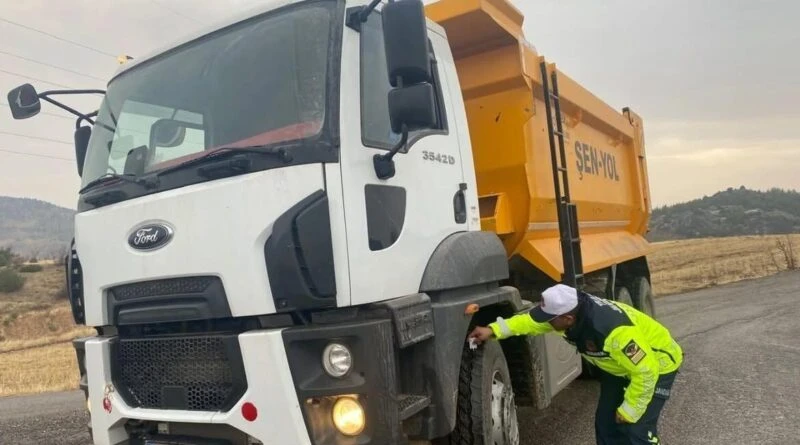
column 5, row 256
column 30, row 268
column 10, row 281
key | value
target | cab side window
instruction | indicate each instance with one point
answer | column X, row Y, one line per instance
column 376, row 128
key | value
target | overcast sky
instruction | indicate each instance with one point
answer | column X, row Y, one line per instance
column 716, row 81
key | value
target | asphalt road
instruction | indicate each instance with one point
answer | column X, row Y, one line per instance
column 740, row 383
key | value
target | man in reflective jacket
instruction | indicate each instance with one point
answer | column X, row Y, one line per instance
column 637, row 355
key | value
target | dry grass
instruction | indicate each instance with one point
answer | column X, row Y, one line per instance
column 36, row 329
column 40, row 287
column 50, row 368
column 66, row 337
column 39, row 328
column 36, row 315
column 679, row 266
column 37, row 354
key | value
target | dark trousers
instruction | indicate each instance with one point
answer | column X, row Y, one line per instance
column 643, row 432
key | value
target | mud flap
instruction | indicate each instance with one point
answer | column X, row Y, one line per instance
column 562, row 363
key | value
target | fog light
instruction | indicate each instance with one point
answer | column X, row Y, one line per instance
column 337, row 360
column 348, row 416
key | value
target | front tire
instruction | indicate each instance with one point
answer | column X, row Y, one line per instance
column 486, row 412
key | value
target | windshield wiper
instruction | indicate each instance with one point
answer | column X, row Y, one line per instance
column 109, row 177
column 267, row 150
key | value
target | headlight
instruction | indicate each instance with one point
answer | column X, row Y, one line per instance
column 337, row 360
column 88, row 406
column 348, row 416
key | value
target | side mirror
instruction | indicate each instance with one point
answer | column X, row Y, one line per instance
column 408, row 62
column 24, row 101
column 82, row 135
column 413, row 107
column 167, row 133
column 405, row 37
column 412, row 104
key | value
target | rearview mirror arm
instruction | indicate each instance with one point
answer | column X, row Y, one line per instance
column 61, row 92
column 87, row 118
column 384, row 164
column 82, row 116
column 361, row 14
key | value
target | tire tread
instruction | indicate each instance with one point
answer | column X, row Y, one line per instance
column 469, row 412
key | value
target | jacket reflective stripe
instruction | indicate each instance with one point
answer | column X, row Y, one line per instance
column 627, row 410
column 505, row 331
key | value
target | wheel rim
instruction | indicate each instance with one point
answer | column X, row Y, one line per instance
column 505, row 430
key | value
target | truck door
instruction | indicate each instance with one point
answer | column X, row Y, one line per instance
column 393, row 225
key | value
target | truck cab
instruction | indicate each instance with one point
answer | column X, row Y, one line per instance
column 280, row 239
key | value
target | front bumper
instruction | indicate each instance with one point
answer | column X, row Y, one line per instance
column 285, row 381
column 269, row 387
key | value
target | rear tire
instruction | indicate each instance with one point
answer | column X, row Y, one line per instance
column 486, row 412
column 623, row 295
column 642, row 294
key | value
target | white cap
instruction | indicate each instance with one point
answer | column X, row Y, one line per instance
column 557, row 300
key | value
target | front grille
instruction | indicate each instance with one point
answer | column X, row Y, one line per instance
column 195, row 373
column 157, row 288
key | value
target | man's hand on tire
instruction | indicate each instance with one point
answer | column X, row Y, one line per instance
column 481, row 334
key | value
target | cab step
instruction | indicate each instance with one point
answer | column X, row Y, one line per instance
column 412, row 404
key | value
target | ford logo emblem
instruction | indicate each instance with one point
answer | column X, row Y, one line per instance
column 150, row 236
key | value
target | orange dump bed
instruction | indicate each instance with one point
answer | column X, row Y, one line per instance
column 501, row 81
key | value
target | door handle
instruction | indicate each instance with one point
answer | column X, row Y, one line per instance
column 460, row 204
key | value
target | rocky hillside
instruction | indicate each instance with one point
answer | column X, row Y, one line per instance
column 732, row 212
column 33, row 228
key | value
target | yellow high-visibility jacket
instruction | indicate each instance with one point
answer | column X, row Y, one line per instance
column 618, row 339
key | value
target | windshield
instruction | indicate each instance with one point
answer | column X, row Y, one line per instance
column 259, row 82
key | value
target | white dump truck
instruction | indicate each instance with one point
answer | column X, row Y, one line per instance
column 289, row 222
